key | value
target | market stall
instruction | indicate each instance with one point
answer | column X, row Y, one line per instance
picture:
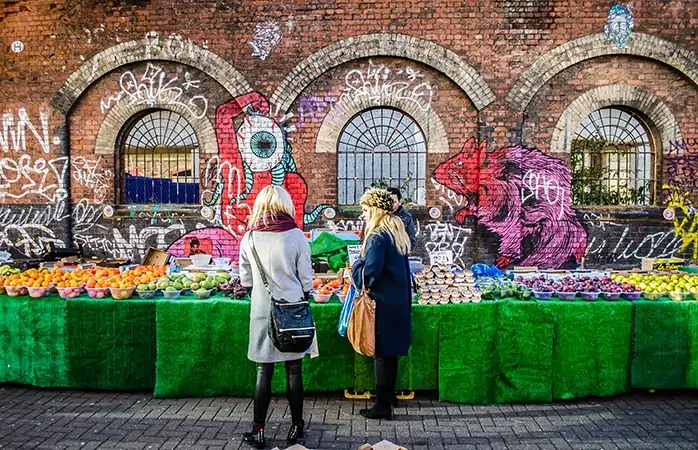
column 473, row 340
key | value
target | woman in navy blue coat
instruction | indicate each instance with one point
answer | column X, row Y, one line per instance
column 384, row 267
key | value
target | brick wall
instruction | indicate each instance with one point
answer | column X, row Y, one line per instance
column 500, row 72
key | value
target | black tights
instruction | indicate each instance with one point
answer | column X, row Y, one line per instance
column 294, row 391
column 385, row 368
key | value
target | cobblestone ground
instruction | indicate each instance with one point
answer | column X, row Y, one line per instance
column 56, row 419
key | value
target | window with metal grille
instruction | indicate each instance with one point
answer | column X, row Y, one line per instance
column 381, row 147
column 160, row 161
column 612, row 160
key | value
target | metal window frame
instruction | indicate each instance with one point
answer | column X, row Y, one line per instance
column 120, row 154
column 646, row 129
column 421, row 156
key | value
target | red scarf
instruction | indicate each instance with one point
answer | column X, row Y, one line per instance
column 276, row 223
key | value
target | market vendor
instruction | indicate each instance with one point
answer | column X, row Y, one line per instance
column 403, row 214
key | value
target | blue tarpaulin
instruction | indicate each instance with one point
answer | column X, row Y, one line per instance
column 141, row 190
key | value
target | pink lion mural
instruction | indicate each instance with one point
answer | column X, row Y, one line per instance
column 521, row 195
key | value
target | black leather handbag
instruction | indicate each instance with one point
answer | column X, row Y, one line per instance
column 291, row 327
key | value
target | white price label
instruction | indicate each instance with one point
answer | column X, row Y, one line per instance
column 354, row 253
column 441, row 258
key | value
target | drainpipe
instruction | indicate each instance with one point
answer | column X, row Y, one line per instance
column 67, row 176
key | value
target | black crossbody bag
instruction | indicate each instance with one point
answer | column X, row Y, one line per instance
column 291, row 327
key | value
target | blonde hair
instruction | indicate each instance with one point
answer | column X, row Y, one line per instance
column 379, row 217
column 272, row 199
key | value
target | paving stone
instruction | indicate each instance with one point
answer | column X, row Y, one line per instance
column 53, row 419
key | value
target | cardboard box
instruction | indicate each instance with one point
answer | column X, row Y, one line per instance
column 654, row 264
column 156, row 257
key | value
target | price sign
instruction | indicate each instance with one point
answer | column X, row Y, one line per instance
column 354, row 253
column 441, row 258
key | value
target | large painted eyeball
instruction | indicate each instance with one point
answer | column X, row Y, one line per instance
column 261, row 143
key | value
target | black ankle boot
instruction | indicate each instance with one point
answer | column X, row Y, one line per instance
column 376, row 412
column 295, row 433
column 255, row 438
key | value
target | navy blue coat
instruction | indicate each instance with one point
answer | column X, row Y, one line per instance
column 387, row 276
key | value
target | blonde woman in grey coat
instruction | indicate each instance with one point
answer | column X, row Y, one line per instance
column 284, row 254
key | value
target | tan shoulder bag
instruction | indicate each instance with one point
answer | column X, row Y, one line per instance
column 362, row 323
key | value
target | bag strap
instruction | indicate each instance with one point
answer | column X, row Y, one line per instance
column 259, row 265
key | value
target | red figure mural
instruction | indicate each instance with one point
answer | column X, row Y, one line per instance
column 251, row 157
column 523, row 196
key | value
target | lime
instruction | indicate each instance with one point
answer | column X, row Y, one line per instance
column 170, row 289
column 152, row 286
column 142, row 287
column 195, row 286
column 178, row 286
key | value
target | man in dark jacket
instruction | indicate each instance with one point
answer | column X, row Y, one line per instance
column 405, row 215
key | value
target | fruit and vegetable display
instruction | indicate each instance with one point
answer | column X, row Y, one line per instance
column 499, row 288
column 6, row 270
column 443, row 285
column 233, row 289
column 588, row 288
column 656, row 285
column 104, row 282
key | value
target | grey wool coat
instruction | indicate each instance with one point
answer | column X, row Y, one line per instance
column 285, row 257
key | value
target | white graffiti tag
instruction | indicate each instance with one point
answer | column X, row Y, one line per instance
column 540, row 188
column 87, row 173
column 380, row 84
column 154, row 87
column 13, row 134
column 441, row 236
column 26, row 177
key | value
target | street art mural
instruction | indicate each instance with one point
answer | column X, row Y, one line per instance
column 523, row 197
column 266, row 36
column 619, row 25
column 681, row 165
column 252, row 156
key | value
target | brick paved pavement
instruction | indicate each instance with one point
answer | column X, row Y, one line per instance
column 54, row 419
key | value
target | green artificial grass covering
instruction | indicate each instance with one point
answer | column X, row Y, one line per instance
column 201, row 354
column 466, row 352
column 591, row 348
column 663, row 347
column 32, row 341
column 110, row 344
column 524, row 353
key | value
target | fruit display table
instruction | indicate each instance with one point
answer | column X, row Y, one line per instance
column 493, row 351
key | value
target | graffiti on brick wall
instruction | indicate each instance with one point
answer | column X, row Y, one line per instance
column 173, row 47
column 439, row 236
column 619, row 25
column 130, row 243
column 267, row 35
column 618, row 243
column 535, row 226
column 13, row 135
column 89, row 173
column 377, row 84
column 448, row 197
column 252, row 155
column 25, row 178
column 681, row 165
column 155, row 87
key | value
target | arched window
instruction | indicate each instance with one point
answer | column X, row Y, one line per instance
column 159, row 160
column 613, row 160
column 384, row 147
